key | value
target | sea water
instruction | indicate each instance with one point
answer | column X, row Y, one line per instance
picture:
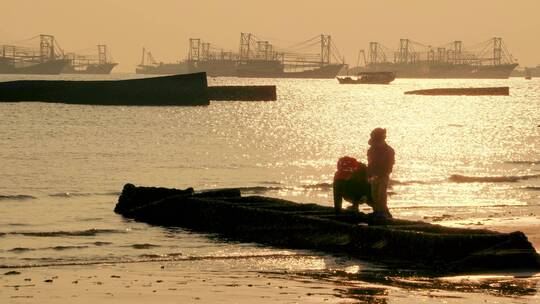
column 460, row 160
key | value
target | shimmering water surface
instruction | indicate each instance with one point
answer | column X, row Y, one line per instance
column 462, row 159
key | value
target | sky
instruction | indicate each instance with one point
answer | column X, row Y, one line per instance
column 165, row 26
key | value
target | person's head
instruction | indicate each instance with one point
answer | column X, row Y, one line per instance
column 378, row 135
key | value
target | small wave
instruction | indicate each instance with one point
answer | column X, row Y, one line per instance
column 82, row 194
column 21, row 249
column 89, row 232
column 323, row 186
column 144, row 246
column 406, row 183
column 61, row 248
column 68, row 194
column 18, row 197
column 258, row 189
column 263, row 189
column 111, row 193
column 532, row 188
column 151, row 256
column 490, row 179
column 523, row 162
column 271, row 183
column 157, row 256
column 91, row 219
column 48, row 262
column 57, row 248
column 455, row 125
column 99, row 243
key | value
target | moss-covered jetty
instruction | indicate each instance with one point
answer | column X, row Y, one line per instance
column 288, row 224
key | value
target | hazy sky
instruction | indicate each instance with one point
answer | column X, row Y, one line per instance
column 164, row 26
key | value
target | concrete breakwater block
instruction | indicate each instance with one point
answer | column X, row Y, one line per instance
column 493, row 91
column 175, row 90
column 243, row 93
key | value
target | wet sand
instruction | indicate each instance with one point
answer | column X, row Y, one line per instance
column 181, row 283
column 225, row 282
column 166, row 283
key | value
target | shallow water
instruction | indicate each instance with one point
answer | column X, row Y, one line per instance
column 459, row 160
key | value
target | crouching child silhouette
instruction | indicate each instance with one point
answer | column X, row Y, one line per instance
column 351, row 184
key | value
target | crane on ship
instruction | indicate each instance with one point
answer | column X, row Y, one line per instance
column 317, row 51
column 25, row 52
column 492, row 51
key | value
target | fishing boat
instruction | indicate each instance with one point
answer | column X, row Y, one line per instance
column 488, row 60
column 26, row 60
column 288, row 224
column 256, row 58
column 86, row 64
column 259, row 58
column 150, row 66
column 369, row 78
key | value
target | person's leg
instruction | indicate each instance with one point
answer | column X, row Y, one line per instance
column 379, row 195
column 383, row 195
column 375, row 193
column 338, row 195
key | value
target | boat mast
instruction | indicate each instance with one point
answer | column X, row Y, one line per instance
column 205, row 51
column 46, row 47
column 373, row 52
column 458, row 44
column 441, row 54
column 326, row 41
column 102, row 54
column 245, row 39
column 403, row 51
column 497, row 51
column 194, row 49
column 361, row 54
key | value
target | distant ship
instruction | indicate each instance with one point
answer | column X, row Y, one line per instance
column 25, row 60
column 451, row 61
column 278, row 70
column 260, row 59
column 149, row 66
column 81, row 64
column 256, row 58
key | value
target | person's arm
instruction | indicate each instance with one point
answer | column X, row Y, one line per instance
column 390, row 160
column 370, row 162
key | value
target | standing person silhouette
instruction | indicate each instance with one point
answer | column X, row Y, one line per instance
column 381, row 159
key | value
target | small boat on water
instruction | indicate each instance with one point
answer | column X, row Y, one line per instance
column 287, row 224
column 369, row 78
